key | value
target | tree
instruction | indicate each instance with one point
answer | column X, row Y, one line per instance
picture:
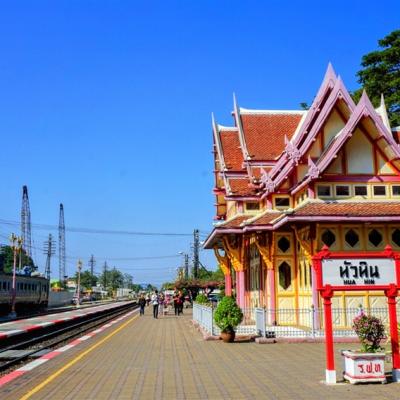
column 7, row 259
column 112, row 279
column 87, row 279
column 381, row 75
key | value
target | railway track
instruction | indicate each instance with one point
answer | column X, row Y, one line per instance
column 23, row 348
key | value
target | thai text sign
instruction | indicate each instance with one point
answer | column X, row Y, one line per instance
column 358, row 272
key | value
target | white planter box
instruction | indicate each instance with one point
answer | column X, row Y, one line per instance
column 364, row 367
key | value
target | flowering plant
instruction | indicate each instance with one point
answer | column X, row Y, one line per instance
column 370, row 330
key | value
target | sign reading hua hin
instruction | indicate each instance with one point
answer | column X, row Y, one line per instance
column 358, row 272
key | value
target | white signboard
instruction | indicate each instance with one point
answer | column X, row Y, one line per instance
column 358, row 271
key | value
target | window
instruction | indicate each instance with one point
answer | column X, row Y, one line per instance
column 396, row 190
column 285, row 275
column 324, row 190
column 252, row 206
column 328, row 237
column 282, row 202
column 396, row 237
column 283, row 244
column 360, row 190
column 342, row 190
column 351, row 238
column 379, row 190
column 375, row 237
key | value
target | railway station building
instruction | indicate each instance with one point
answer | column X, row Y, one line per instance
column 288, row 182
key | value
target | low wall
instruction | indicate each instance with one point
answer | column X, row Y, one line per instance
column 59, row 299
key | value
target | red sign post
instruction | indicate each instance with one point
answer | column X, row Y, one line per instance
column 358, row 271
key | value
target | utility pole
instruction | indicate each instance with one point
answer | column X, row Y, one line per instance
column 196, row 247
column 92, row 263
column 26, row 222
column 49, row 250
column 186, row 266
column 78, row 287
column 105, row 275
column 61, row 247
column 16, row 245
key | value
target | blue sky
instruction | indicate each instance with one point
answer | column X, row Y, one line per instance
column 105, row 106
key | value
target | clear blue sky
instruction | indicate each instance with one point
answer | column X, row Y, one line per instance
column 105, row 106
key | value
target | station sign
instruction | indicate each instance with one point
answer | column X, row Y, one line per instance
column 359, row 272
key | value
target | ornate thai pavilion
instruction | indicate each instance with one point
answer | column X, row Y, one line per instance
column 289, row 181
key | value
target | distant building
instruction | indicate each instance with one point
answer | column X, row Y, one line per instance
column 289, row 181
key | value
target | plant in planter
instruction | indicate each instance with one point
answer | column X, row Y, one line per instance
column 202, row 299
column 366, row 365
column 228, row 316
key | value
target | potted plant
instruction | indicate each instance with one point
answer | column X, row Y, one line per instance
column 367, row 364
column 228, row 316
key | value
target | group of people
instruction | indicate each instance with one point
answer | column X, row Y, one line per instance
column 160, row 303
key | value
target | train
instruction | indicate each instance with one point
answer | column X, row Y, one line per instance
column 32, row 293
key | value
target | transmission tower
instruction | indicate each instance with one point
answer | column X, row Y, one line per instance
column 49, row 250
column 61, row 246
column 196, row 247
column 26, row 223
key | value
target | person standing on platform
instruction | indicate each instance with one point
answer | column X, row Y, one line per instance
column 142, row 304
column 161, row 303
column 176, row 303
column 154, row 301
column 181, row 300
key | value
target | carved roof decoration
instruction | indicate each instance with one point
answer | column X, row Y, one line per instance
column 264, row 149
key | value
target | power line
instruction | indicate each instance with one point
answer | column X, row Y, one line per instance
column 97, row 231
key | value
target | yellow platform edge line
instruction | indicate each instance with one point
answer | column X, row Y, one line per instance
column 74, row 361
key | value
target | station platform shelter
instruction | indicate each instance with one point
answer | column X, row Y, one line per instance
column 167, row 358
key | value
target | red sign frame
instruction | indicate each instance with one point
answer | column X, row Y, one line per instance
column 326, row 254
column 327, row 292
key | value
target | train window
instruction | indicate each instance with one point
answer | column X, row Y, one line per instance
column 4, row 285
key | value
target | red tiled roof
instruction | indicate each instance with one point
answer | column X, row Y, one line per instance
column 240, row 187
column 266, row 218
column 234, row 222
column 265, row 133
column 231, row 150
column 360, row 209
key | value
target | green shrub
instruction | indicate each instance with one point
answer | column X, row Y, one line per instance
column 228, row 314
column 202, row 299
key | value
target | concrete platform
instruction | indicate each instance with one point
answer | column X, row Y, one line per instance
column 144, row 358
column 18, row 327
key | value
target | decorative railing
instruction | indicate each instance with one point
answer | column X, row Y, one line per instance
column 292, row 323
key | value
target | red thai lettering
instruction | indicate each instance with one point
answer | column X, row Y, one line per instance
column 369, row 367
column 377, row 367
column 361, row 368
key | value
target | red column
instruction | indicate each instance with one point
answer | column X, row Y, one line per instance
column 228, row 285
column 272, row 295
column 394, row 335
column 330, row 360
column 237, row 288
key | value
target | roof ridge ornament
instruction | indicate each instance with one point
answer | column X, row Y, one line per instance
column 313, row 171
column 292, row 151
column 267, row 181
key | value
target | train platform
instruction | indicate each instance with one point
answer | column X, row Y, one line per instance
column 21, row 326
column 166, row 358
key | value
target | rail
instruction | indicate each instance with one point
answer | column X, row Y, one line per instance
column 37, row 342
